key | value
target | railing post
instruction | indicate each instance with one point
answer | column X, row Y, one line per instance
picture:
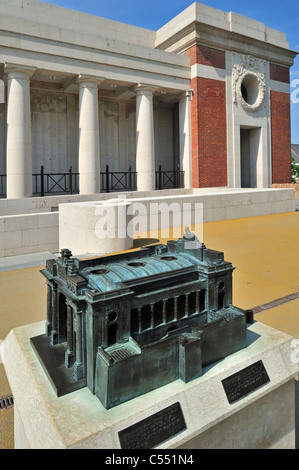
column 177, row 177
column 130, row 179
column 70, row 180
column 107, row 178
column 2, row 185
column 42, row 188
column 160, row 177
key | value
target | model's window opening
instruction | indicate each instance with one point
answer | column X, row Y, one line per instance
column 220, row 300
column 169, row 310
column 134, row 321
column 62, row 318
column 192, row 303
column 112, row 333
column 181, row 306
column 112, row 317
column 145, row 317
column 202, row 300
column 158, row 313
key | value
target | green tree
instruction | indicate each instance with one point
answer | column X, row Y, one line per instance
column 295, row 170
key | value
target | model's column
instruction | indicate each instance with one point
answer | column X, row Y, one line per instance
column 185, row 136
column 79, row 366
column 69, row 353
column 49, row 309
column 89, row 139
column 54, row 329
column 18, row 146
column 145, row 142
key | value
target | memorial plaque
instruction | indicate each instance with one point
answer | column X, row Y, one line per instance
column 245, row 381
column 154, row 430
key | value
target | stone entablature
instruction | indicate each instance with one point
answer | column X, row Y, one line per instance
column 117, row 49
column 201, row 24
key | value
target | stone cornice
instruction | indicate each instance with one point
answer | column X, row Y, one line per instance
column 204, row 34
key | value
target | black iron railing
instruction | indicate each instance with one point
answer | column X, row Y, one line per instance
column 118, row 180
column 59, row 183
column 111, row 181
column 55, row 183
column 170, row 179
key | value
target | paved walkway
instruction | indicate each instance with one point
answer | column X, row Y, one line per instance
column 264, row 251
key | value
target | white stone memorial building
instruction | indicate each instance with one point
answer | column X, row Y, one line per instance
column 207, row 94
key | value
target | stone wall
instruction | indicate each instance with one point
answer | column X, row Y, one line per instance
column 28, row 233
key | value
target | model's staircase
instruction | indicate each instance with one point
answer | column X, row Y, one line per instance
column 120, row 351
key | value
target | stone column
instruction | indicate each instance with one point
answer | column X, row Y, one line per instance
column 185, row 136
column 18, row 144
column 145, row 142
column 89, row 139
column 2, row 92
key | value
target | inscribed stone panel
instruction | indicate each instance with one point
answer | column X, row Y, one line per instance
column 49, row 132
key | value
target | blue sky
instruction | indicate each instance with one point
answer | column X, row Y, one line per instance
column 152, row 14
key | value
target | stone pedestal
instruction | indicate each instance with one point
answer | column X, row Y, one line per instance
column 263, row 418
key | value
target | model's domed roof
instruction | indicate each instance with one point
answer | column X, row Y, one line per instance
column 107, row 277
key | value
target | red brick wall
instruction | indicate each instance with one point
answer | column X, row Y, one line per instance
column 279, row 73
column 208, row 116
column 209, row 142
column 206, row 56
column 281, row 137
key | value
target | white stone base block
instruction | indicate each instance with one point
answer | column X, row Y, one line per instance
column 267, row 423
column 264, row 418
column 95, row 227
